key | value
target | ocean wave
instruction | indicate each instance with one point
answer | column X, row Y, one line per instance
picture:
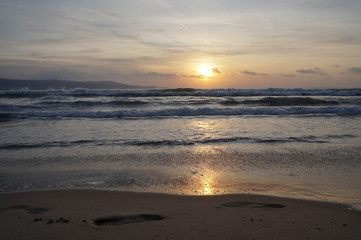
column 125, row 103
column 192, row 92
column 175, row 142
column 46, row 144
column 95, row 103
column 52, row 104
column 282, row 101
column 310, row 139
column 179, row 112
column 6, row 117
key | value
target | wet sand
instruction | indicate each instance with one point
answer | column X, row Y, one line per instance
column 95, row 214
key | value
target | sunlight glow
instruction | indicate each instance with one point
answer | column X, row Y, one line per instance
column 205, row 70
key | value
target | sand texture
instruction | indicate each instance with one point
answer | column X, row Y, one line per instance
column 94, row 214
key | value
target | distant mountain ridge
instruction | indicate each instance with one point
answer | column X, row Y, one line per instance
column 16, row 84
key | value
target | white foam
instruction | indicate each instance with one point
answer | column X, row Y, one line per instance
column 354, row 110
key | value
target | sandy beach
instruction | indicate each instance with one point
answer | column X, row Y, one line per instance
column 95, row 214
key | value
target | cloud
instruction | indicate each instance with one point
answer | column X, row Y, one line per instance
column 249, row 73
column 356, row 70
column 316, row 70
column 155, row 75
column 255, row 74
column 59, row 73
column 287, row 75
column 164, row 4
column 194, row 76
column 106, row 14
column 216, row 70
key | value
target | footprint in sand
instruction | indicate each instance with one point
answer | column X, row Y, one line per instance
column 121, row 220
column 31, row 210
column 253, row 205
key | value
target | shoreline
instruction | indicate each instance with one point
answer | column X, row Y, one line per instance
column 295, row 197
column 106, row 214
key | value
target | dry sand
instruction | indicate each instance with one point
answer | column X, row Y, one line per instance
column 93, row 214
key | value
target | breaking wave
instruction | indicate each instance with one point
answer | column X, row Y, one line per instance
column 175, row 142
column 179, row 112
column 282, row 101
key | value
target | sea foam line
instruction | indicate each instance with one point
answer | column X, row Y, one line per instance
column 179, row 112
column 175, row 142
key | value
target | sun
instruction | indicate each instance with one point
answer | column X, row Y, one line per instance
column 205, row 70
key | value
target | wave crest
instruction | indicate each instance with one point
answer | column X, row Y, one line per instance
column 179, row 112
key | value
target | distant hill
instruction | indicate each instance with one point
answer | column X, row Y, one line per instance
column 15, row 84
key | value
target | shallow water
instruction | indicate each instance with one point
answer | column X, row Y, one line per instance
column 295, row 143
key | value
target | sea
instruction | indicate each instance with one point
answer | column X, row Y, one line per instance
column 296, row 143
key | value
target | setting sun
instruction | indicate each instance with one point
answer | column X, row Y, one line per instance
column 205, row 70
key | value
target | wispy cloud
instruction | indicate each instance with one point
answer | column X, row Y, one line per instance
column 155, row 75
column 108, row 15
column 196, row 35
column 255, row 74
column 287, row 75
column 244, row 25
column 193, row 76
column 315, row 70
column 163, row 4
column 265, row 21
column 216, row 70
column 356, row 70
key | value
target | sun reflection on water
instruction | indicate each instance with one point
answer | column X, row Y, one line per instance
column 203, row 129
column 202, row 177
column 202, row 181
column 207, row 188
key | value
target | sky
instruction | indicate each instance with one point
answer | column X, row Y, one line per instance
column 184, row 43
